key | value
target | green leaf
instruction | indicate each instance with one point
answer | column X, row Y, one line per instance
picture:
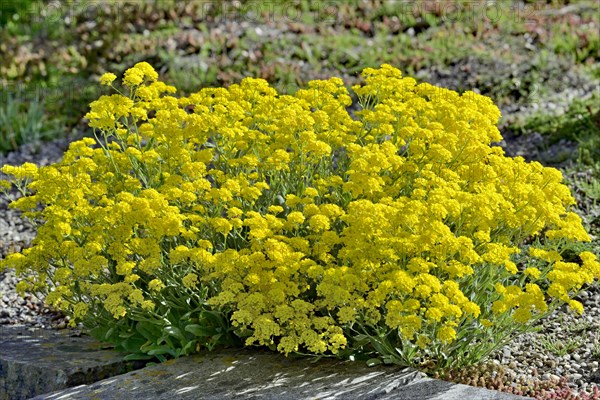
column 137, row 356
column 211, row 317
column 174, row 331
column 373, row 361
column 380, row 347
column 109, row 333
column 131, row 344
column 148, row 330
column 189, row 348
column 127, row 334
column 200, row 331
column 100, row 332
column 159, row 350
column 361, row 340
column 146, row 347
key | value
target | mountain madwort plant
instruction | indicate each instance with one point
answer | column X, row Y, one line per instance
column 242, row 216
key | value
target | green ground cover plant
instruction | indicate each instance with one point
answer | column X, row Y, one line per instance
column 242, row 215
column 562, row 347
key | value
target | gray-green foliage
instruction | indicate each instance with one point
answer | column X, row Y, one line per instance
column 23, row 122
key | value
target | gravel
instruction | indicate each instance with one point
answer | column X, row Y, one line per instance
column 566, row 345
column 17, row 233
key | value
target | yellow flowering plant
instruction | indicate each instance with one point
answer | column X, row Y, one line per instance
column 243, row 216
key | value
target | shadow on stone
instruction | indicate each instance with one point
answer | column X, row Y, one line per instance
column 252, row 374
column 36, row 361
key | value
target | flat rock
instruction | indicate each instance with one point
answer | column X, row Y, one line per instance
column 252, row 374
column 35, row 361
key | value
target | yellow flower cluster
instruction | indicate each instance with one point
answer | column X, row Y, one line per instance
column 303, row 220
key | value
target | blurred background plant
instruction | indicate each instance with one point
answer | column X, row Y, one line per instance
column 516, row 53
column 24, row 122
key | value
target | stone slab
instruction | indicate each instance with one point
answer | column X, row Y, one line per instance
column 34, row 361
column 254, row 374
